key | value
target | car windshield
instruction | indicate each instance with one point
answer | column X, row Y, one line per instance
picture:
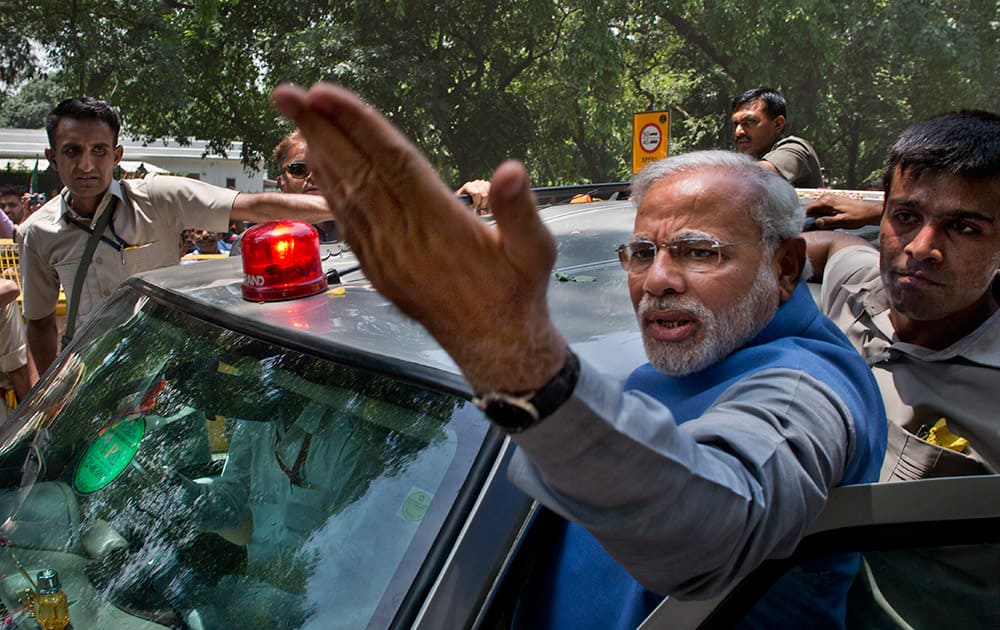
column 176, row 473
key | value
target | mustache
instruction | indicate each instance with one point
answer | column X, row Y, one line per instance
column 920, row 270
column 687, row 303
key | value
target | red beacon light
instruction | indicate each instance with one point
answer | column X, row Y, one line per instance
column 281, row 261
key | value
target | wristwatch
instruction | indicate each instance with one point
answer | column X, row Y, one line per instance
column 515, row 412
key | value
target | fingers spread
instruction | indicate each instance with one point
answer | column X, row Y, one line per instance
column 476, row 289
column 402, row 221
column 361, row 155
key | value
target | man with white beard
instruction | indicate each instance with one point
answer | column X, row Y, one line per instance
column 718, row 454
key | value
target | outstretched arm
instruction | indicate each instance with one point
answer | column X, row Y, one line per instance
column 491, row 314
column 265, row 206
column 615, row 462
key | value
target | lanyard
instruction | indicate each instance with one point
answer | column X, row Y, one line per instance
column 293, row 472
column 73, row 299
column 121, row 245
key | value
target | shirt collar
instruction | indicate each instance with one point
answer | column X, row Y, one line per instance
column 68, row 213
column 981, row 346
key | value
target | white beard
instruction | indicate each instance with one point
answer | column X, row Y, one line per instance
column 717, row 335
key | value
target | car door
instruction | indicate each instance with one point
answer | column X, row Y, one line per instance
column 930, row 558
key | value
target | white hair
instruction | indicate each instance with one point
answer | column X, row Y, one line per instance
column 776, row 210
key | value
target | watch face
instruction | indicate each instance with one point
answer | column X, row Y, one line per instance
column 509, row 412
column 517, row 413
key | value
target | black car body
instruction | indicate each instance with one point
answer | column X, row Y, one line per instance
column 179, row 382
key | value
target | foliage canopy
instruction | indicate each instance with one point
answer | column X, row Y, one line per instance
column 473, row 82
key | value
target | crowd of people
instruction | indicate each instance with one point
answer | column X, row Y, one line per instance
column 17, row 204
column 756, row 400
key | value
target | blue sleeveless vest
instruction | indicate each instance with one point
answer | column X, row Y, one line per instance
column 582, row 587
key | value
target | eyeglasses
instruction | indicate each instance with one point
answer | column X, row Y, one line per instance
column 298, row 170
column 693, row 254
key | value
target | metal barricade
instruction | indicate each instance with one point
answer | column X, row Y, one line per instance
column 9, row 270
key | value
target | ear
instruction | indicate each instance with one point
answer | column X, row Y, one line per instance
column 119, row 152
column 50, row 155
column 280, row 183
column 789, row 261
column 779, row 123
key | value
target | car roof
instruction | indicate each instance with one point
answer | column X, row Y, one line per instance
column 588, row 299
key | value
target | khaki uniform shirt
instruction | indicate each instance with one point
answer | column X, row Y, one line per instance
column 919, row 386
column 13, row 349
column 144, row 234
column 796, row 161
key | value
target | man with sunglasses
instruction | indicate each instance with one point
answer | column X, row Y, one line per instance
column 295, row 177
column 720, row 451
column 142, row 221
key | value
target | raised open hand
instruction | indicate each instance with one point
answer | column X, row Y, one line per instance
column 480, row 291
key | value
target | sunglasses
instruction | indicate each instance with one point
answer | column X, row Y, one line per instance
column 298, row 170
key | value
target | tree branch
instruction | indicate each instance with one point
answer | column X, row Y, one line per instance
column 698, row 39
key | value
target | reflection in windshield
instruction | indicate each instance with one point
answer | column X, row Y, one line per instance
column 190, row 476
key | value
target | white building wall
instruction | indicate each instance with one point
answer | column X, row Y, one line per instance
column 213, row 171
column 23, row 146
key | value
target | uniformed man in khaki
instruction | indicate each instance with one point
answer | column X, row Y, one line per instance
column 758, row 118
column 17, row 371
column 923, row 310
column 146, row 219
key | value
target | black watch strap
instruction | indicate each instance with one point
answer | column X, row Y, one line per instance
column 517, row 412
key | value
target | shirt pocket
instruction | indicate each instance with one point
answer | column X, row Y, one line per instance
column 909, row 457
column 307, row 510
column 145, row 257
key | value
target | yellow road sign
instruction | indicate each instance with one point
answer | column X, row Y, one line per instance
column 650, row 138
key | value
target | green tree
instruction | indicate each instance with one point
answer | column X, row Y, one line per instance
column 855, row 74
column 551, row 82
column 27, row 108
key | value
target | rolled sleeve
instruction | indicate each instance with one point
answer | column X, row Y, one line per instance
column 189, row 202
column 796, row 161
column 13, row 348
column 39, row 281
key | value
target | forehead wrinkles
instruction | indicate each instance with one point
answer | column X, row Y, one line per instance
column 695, row 201
column 683, row 234
column 946, row 196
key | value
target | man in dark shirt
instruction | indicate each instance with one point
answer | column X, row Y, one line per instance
column 758, row 128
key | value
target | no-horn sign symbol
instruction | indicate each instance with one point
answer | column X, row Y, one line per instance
column 650, row 138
